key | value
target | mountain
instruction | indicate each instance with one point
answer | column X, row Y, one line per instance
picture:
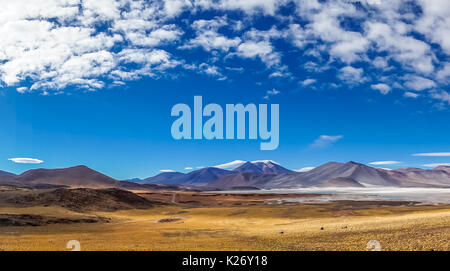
column 361, row 174
column 333, row 174
column 208, row 175
column 8, row 179
column 198, row 177
column 341, row 182
column 256, row 174
column 78, row 176
column 163, row 178
column 443, row 168
column 262, row 167
column 4, row 173
column 241, row 179
column 416, row 177
column 133, row 180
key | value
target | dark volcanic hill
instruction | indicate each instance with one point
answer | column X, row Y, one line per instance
column 84, row 199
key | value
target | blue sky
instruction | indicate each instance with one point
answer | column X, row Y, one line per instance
column 93, row 82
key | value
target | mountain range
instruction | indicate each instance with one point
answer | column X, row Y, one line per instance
column 248, row 175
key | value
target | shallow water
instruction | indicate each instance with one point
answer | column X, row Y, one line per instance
column 423, row 195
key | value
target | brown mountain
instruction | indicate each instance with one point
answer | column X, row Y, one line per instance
column 78, row 176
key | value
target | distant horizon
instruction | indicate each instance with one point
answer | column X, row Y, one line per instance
column 231, row 168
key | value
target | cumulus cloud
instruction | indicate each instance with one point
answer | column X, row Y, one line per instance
column 50, row 45
column 378, row 163
column 261, row 49
column 382, row 88
column 441, row 95
column 26, row 160
column 351, row 75
column 324, row 141
column 208, row 37
column 418, row 83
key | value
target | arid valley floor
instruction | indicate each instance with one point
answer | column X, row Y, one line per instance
column 178, row 220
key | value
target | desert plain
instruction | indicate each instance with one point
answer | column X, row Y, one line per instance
column 190, row 221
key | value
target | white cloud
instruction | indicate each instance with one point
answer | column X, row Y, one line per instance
column 305, row 169
column 443, row 74
column 280, row 74
column 308, row 82
column 412, row 53
column 351, row 75
column 433, row 165
column 250, row 6
column 410, row 94
column 432, row 154
column 207, row 69
column 93, row 43
column 165, row 34
column 272, row 92
column 378, row 163
column 167, row 170
column 262, row 50
column 324, row 141
column 418, row 83
column 54, row 44
column 442, row 95
column 188, row 168
column 382, row 88
column 435, row 22
column 22, row 89
column 208, row 37
column 26, row 160
column 380, row 62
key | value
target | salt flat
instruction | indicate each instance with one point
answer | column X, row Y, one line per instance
column 422, row 195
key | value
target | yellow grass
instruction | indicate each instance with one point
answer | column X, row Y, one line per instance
column 283, row 227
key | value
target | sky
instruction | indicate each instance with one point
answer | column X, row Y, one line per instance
column 93, row 82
